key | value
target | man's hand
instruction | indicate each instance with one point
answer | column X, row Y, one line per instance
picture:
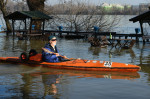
column 57, row 54
column 65, row 57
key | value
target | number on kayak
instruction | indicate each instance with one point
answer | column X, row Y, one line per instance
column 107, row 64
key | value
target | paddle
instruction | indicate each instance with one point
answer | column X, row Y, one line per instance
column 46, row 50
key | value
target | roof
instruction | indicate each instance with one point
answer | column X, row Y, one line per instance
column 145, row 17
column 28, row 14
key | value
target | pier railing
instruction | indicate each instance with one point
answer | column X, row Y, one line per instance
column 86, row 34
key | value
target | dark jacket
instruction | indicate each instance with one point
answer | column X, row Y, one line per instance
column 47, row 57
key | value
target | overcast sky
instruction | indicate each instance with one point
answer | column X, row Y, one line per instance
column 97, row 2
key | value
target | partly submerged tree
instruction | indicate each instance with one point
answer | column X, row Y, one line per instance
column 36, row 5
column 5, row 13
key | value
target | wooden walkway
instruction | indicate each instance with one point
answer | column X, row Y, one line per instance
column 83, row 34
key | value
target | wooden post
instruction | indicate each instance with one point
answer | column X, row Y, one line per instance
column 43, row 27
column 143, row 41
column 147, row 40
column 141, row 25
column 25, row 26
column 30, row 25
column 13, row 26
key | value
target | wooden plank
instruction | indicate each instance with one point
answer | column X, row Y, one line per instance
column 33, row 34
column 146, row 37
column 98, row 33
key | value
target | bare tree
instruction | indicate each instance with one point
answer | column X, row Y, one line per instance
column 5, row 13
column 74, row 15
column 81, row 16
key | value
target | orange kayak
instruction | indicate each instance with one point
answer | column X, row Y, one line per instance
column 77, row 64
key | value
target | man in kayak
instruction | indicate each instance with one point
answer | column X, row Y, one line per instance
column 51, row 47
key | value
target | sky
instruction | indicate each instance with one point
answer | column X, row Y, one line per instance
column 98, row 2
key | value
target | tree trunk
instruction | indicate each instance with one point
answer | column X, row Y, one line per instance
column 36, row 5
column 4, row 11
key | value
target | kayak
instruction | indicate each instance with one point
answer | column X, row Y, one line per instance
column 77, row 64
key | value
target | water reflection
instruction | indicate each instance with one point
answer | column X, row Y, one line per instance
column 38, row 82
column 50, row 82
column 139, row 55
column 91, row 74
column 52, row 79
column 113, row 53
column 40, row 85
column 95, row 50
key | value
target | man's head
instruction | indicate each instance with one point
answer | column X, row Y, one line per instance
column 52, row 40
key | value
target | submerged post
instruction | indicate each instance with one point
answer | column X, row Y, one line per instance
column 96, row 29
column 60, row 29
column 0, row 28
column 13, row 26
column 137, row 30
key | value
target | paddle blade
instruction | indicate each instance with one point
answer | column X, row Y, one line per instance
column 46, row 50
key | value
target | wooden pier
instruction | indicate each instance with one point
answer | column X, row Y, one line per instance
column 73, row 34
column 32, row 32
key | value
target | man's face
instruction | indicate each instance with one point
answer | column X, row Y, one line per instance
column 53, row 41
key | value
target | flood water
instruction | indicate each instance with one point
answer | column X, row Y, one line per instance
column 24, row 81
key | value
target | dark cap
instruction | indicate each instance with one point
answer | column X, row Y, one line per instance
column 51, row 37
